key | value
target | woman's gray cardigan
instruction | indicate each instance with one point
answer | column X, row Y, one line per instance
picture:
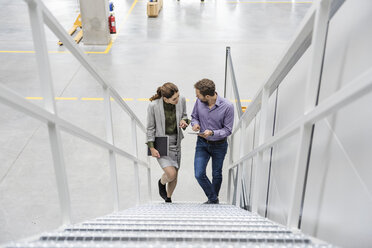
column 156, row 119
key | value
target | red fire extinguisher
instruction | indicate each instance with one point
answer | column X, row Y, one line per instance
column 112, row 24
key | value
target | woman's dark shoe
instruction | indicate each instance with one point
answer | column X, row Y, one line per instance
column 168, row 199
column 162, row 190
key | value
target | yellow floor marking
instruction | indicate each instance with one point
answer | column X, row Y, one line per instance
column 92, row 99
column 128, row 99
column 17, row 51
column 143, row 99
column 34, row 98
column 66, row 98
column 108, row 48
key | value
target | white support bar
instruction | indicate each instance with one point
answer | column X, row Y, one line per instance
column 229, row 181
column 235, row 87
column 312, row 89
column 135, row 164
column 13, row 100
column 110, row 140
column 42, row 58
column 149, row 179
column 231, row 154
column 60, row 173
column 241, row 165
column 261, row 140
column 351, row 92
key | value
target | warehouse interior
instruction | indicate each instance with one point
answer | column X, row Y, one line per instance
column 74, row 170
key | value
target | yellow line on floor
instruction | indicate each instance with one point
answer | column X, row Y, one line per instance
column 66, row 98
column 17, row 51
column 143, row 99
column 34, row 98
column 92, row 99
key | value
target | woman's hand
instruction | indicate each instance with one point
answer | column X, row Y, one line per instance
column 154, row 152
column 183, row 124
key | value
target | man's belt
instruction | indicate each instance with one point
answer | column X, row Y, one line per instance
column 213, row 142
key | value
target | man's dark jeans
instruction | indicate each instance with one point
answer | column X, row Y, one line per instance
column 203, row 152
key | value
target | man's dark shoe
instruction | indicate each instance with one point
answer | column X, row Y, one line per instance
column 212, row 202
column 162, row 190
column 168, row 199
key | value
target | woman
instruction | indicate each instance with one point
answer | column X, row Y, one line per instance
column 166, row 115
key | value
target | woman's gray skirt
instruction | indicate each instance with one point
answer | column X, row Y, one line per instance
column 174, row 154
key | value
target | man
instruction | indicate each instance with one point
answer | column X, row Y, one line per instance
column 213, row 116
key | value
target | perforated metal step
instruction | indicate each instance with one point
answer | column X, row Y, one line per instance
column 175, row 225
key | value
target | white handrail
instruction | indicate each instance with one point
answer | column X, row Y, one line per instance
column 229, row 64
column 18, row 102
column 313, row 31
column 351, row 92
column 39, row 15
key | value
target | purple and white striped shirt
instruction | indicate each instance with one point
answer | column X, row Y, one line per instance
column 219, row 119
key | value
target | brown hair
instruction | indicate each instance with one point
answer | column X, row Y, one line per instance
column 167, row 91
column 206, row 87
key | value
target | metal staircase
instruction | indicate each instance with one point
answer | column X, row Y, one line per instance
column 175, row 225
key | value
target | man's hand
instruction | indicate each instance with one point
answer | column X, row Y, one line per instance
column 206, row 134
column 183, row 124
column 196, row 128
column 154, row 152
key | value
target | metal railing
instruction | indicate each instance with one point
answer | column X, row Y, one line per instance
column 313, row 32
column 39, row 15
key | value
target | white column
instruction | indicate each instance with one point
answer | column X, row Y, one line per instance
column 94, row 18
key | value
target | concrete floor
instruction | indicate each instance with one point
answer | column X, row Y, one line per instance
column 185, row 43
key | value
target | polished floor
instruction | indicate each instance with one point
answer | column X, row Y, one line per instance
column 185, row 43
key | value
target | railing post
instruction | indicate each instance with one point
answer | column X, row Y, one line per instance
column 110, row 139
column 235, row 87
column 38, row 33
column 135, row 164
column 241, row 165
column 227, row 56
column 229, row 181
column 231, row 160
column 149, row 178
column 313, row 83
column 261, row 140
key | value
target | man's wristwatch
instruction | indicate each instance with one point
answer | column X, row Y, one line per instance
column 212, row 133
